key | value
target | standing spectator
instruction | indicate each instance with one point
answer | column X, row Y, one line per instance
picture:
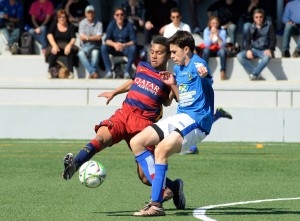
column 90, row 32
column 291, row 19
column 41, row 12
column 157, row 16
column 75, row 11
column 228, row 12
column 62, row 37
column 215, row 43
column 260, row 43
column 12, row 15
column 193, row 12
column 176, row 24
column 120, row 40
column 134, row 9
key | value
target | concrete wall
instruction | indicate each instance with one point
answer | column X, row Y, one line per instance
column 262, row 111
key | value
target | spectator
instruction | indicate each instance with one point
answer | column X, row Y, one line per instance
column 228, row 12
column 193, row 12
column 62, row 37
column 120, row 40
column 11, row 22
column 90, row 32
column 176, row 24
column 75, row 11
column 247, row 17
column 260, row 43
column 157, row 16
column 215, row 43
column 134, row 9
column 41, row 12
column 291, row 19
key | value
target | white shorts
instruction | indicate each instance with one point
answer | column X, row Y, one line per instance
column 187, row 127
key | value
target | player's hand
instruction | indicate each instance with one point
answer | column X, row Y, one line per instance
column 167, row 78
column 202, row 71
column 108, row 95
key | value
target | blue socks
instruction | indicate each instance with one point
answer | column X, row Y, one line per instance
column 217, row 116
column 146, row 161
column 158, row 184
column 85, row 154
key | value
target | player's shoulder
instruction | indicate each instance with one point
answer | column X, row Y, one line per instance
column 197, row 62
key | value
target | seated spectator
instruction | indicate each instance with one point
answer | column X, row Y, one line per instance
column 120, row 40
column 247, row 15
column 291, row 19
column 176, row 24
column 228, row 12
column 61, row 37
column 75, row 11
column 157, row 16
column 260, row 43
column 134, row 10
column 215, row 43
column 90, row 32
column 41, row 12
column 11, row 23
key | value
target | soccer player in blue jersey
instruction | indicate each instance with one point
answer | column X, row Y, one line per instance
column 141, row 108
column 190, row 125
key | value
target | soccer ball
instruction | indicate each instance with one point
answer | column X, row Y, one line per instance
column 92, row 174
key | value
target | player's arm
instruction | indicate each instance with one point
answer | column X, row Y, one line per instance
column 119, row 90
column 168, row 102
column 169, row 79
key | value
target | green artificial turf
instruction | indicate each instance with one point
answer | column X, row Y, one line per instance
column 222, row 173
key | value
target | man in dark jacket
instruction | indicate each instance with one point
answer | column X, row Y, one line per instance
column 260, row 43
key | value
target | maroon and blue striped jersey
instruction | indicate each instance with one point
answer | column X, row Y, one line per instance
column 148, row 92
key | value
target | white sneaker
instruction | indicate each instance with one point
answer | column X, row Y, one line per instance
column 126, row 75
column 109, row 74
column 71, row 75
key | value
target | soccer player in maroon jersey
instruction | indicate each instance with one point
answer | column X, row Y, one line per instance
column 141, row 108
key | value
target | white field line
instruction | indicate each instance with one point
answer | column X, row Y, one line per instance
column 199, row 213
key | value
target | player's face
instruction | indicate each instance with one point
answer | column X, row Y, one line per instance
column 158, row 56
column 178, row 54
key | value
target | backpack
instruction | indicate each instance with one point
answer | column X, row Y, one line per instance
column 26, row 45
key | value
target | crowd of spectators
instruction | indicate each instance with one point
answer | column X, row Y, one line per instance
column 55, row 24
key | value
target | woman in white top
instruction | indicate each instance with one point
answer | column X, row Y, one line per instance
column 176, row 24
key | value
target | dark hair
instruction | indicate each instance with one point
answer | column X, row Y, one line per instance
column 182, row 39
column 162, row 41
column 175, row 10
column 119, row 8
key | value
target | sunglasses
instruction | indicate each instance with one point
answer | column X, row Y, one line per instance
column 119, row 14
column 176, row 16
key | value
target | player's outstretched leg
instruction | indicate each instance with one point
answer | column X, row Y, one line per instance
column 69, row 166
column 221, row 113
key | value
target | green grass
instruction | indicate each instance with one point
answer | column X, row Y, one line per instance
column 32, row 187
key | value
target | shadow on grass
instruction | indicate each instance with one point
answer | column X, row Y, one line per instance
column 240, row 211
column 169, row 212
